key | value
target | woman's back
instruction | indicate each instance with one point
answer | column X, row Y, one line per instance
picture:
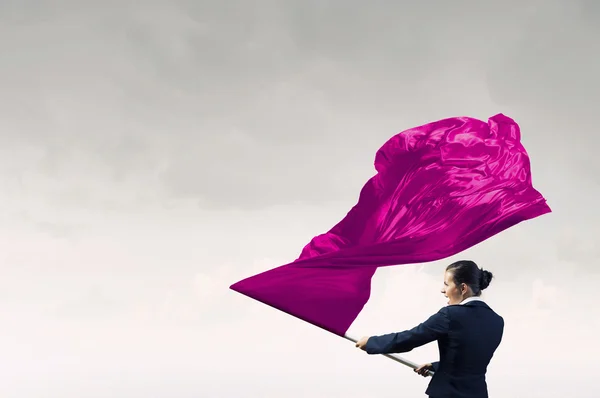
column 474, row 333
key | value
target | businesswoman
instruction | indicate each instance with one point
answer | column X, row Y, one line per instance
column 467, row 331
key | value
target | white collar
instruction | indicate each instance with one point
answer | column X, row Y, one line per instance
column 469, row 299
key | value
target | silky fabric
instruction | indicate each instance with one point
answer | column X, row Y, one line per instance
column 440, row 188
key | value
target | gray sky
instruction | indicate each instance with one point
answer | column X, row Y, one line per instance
column 151, row 155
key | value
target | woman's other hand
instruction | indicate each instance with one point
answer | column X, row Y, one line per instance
column 423, row 370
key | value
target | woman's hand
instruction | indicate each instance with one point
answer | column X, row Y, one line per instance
column 423, row 370
column 362, row 343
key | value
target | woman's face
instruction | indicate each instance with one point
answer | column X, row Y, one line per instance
column 453, row 293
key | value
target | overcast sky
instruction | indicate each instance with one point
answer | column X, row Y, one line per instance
column 152, row 153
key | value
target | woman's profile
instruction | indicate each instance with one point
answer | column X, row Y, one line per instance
column 468, row 333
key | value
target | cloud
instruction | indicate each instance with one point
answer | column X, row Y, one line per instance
column 210, row 105
column 544, row 296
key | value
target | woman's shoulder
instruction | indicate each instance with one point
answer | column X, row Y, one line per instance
column 479, row 306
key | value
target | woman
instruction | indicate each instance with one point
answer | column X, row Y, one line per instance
column 467, row 331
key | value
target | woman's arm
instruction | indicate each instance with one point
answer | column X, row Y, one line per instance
column 432, row 329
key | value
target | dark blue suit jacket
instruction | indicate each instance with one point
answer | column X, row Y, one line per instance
column 467, row 337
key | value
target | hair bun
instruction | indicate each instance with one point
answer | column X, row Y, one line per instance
column 485, row 277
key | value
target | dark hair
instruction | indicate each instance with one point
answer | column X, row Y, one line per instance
column 467, row 272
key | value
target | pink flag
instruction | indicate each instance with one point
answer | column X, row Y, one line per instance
column 439, row 189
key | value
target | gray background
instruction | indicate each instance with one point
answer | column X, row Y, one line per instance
column 153, row 153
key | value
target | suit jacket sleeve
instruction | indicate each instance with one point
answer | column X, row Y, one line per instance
column 435, row 366
column 432, row 329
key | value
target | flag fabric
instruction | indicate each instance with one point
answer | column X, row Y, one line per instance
column 440, row 189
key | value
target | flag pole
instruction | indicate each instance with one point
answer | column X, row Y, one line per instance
column 396, row 358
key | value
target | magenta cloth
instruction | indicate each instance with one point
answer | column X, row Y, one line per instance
column 439, row 189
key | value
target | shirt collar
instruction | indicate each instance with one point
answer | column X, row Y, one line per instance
column 469, row 299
